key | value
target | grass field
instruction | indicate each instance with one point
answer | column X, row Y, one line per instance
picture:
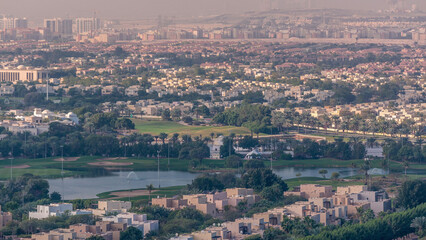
column 156, row 127
column 310, row 180
column 166, row 191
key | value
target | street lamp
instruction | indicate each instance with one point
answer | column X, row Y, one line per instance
column 158, row 167
column 11, row 167
column 168, row 153
column 62, row 171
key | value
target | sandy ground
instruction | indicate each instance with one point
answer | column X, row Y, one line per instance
column 68, row 159
column 110, row 164
column 116, row 158
column 134, row 193
column 18, row 166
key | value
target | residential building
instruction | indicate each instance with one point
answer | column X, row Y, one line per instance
column 44, row 211
column 63, row 27
column 87, row 25
column 53, row 210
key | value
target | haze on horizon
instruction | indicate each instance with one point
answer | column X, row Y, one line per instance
column 145, row 9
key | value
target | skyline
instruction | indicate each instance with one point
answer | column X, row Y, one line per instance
column 146, row 9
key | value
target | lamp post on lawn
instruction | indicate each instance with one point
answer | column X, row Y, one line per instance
column 158, row 167
column 62, row 171
column 168, row 154
column 11, row 168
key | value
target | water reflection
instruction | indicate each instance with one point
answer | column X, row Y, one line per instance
column 75, row 188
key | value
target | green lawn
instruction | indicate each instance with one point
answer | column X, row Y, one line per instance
column 166, row 191
column 156, row 127
column 315, row 180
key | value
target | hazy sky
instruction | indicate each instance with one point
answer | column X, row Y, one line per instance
column 142, row 9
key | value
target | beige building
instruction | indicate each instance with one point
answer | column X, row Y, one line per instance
column 311, row 191
column 170, row 203
column 5, row 218
column 22, row 74
column 105, row 207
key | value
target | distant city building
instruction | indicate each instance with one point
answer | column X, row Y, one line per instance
column 23, row 74
column 59, row 26
column 12, row 23
column 87, row 25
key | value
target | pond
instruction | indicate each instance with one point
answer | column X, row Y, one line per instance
column 83, row 188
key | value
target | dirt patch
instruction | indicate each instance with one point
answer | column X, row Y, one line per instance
column 110, row 164
column 112, row 159
column 135, row 193
column 68, row 159
column 19, row 166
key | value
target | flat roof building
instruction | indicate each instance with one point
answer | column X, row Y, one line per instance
column 24, row 75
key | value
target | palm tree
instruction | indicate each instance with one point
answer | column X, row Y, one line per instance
column 385, row 164
column 371, row 142
column 298, row 175
column 150, row 188
column 406, row 165
column 323, row 172
column 163, row 136
column 336, row 121
column 326, row 122
column 175, row 138
column 419, row 223
column 366, row 167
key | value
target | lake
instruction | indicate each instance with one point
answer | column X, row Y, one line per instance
column 82, row 188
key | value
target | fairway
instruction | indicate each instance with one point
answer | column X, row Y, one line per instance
column 169, row 127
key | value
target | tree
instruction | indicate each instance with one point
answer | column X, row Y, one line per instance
column 273, row 193
column 335, row 175
column 254, row 164
column 163, row 137
column 391, row 226
column 206, row 183
column 233, row 161
column 258, row 179
column 34, row 99
column 124, row 123
column 119, row 52
column 364, row 215
column 254, row 237
column 227, row 149
column 274, row 234
column 411, row 194
column 248, row 142
column 199, row 153
column 131, row 233
column 323, row 172
column 55, row 197
column 149, row 187
column 166, row 115
column 419, row 223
